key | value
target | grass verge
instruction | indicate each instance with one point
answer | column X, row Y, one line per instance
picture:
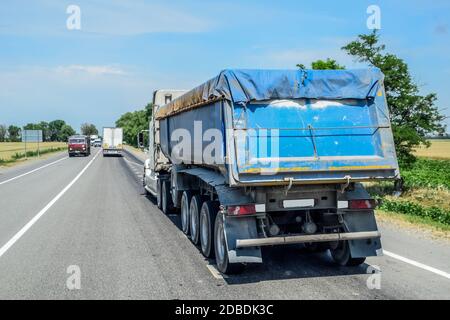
column 18, row 156
column 433, row 213
column 416, row 223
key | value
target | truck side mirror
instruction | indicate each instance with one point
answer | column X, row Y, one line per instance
column 141, row 140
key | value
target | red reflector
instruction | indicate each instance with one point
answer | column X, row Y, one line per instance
column 362, row 204
column 241, row 210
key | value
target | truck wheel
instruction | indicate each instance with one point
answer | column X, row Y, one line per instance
column 194, row 214
column 207, row 218
column 185, row 207
column 221, row 249
column 341, row 255
column 166, row 197
column 158, row 194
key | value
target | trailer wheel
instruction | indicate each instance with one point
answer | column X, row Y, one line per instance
column 341, row 255
column 166, row 197
column 185, row 207
column 221, row 249
column 194, row 218
column 208, row 215
column 158, row 194
column 194, row 214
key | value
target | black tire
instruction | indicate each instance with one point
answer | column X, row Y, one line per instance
column 221, row 249
column 185, row 207
column 194, row 218
column 341, row 255
column 158, row 194
column 166, row 197
column 208, row 215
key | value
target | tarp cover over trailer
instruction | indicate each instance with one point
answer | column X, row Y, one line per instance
column 332, row 126
column 244, row 86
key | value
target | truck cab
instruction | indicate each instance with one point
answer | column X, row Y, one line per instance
column 79, row 145
column 156, row 160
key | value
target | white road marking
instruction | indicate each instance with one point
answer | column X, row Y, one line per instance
column 216, row 274
column 417, row 264
column 25, row 228
column 34, row 170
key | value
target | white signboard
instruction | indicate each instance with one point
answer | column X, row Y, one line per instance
column 31, row 135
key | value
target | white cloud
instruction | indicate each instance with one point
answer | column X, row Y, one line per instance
column 90, row 69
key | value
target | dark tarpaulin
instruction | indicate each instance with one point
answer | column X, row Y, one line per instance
column 243, row 86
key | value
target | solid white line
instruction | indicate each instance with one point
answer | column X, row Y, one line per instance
column 25, row 228
column 215, row 273
column 34, row 170
column 417, row 264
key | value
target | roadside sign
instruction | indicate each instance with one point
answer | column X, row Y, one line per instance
column 31, row 135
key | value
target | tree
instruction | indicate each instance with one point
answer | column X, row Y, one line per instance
column 329, row 64
column 413, row 116
column 65, row 132
column 88, row 129
column 149, row 110
column 3, row 132
column 43, row 125
column 134, row 122
column 54, row 128
column 14, row 133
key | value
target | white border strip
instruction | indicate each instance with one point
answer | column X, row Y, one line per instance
column 417, row 264
column 25, row 228
column 34, row 170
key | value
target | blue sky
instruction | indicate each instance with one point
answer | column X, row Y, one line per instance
column 127, row 49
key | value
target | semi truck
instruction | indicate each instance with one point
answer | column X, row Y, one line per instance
column 255, row 158
column 112, row 141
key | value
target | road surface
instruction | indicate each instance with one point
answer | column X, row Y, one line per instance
column 91, row 215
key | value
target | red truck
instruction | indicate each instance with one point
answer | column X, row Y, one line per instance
column 79, row 145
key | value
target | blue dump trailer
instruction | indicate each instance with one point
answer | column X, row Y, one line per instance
column 256, row 158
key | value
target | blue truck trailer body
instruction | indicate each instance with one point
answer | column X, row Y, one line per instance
column 316, row 125
column 289, row 150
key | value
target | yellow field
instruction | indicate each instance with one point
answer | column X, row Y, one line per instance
column 8, row 149
column 439, row 149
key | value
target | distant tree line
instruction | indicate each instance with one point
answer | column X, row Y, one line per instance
column 56, row 130
column 134, row 122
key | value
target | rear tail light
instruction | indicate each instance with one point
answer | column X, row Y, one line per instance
column 362, row 204
column 241, row 210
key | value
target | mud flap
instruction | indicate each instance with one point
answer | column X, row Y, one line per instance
column 362, row 221
column 241, row 228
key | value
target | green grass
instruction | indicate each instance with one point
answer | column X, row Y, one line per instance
column 390, row 216
column 406, row 207
column 426, row 192
column 427, row 173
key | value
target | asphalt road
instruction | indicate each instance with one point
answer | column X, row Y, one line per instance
column 92, row 215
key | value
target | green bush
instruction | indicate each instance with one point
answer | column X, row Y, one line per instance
column 414, row 209
column 31, row 154
column 427, row 173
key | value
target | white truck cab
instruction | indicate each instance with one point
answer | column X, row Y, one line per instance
column 156, row 159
